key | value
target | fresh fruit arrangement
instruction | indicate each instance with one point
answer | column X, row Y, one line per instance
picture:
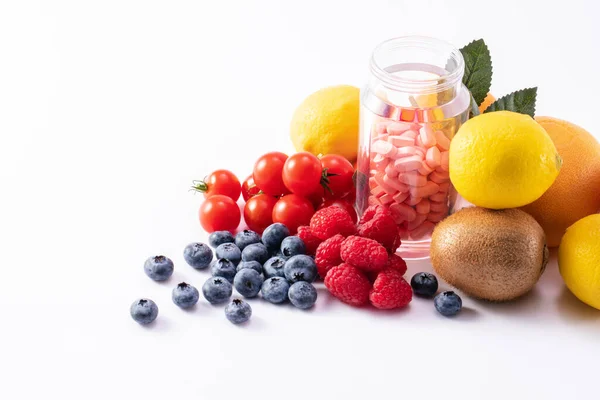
column 528, row 180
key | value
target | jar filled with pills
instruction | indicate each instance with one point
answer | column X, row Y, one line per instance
column 411, row 108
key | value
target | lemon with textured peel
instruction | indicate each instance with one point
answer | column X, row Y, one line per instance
column 327, row 122
column 579, row 259
column 502, row 160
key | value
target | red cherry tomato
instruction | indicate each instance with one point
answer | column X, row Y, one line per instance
column 249, row 188
column 339, row 173
column 346, row 205
column 222, row 182
column 293, row 211
column 302, row 173
column 267, row 173
column 258, row 212
column 316, row 197
column 219, row 213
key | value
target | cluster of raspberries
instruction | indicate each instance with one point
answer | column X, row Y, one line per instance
column 358, row 262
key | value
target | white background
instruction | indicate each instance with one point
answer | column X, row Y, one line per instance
column 109, row 109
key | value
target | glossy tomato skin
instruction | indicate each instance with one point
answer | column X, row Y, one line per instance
column 293, row 211
column 258, row 212
column 339, row 173
column 267, row 173
column 316, row 198
column 249, row 188
column 302, row 173
column 222, row 182
column 219, row 213
column 346, row 205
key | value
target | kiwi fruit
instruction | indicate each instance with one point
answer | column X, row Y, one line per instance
column 495, row 255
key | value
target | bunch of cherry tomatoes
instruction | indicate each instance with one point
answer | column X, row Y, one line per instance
column 280, row 189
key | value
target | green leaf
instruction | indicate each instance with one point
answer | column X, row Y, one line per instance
column 478, row 69
column 521, row 101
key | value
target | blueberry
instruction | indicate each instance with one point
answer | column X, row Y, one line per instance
column 238, row 311
column 302, row 295
column 300, row 268
column 223, row 268
column 274, row 267
column 217, row 290
column 255, row 265
column 424, row 284
column 275, row 290
column 159, row 268
column 217, row 238
column 273, row 235
column 185, row 295
column 292, row 246
column 255, row 252
column 448, row 303
column 248, row 282
column 143, row 311
column 229, row 251
column 198, row 255
column 246, row 237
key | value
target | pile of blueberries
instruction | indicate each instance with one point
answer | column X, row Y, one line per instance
column 274, row 265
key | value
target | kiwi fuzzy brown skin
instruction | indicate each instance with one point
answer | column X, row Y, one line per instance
column 495, row 255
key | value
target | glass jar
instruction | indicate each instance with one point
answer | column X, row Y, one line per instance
column 410, row 110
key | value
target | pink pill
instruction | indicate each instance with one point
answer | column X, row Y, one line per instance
column 439, row 197
column 416, row 222
column 410, row 134
column 423, row 207
column 412, row 201
column 419, row 143
column 438, row 207
column 380, row 162
column 398, row 219
column 422, row 230
column 373, row 201
column 401, row 196
column 436, row 216
column 425, row 169
column 391, row 171
column 445, row 161
column 444, row 187
column 425, row 191
column 427, row 136
column 384, row 148
column 372, row 183
column 386, row 199
column 405, row 152
column 412, row 179
column 381, row 127
column 406, row 164
column 377, row 191
column 381, row 182
column 443, row 143
column 439, row 177
column 401, row 141
column 401, row 209
column 397, row 128
column 393, row 182
column 433, row 157
column 382, row 136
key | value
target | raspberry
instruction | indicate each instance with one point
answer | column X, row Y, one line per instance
column 311, row 242
column 378, row 223
column 397, row 263
column 348, row 284
column 330, row 221
column 364, row 253
column 328, row 254
column 390, row 290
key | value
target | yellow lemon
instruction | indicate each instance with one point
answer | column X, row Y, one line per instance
column 579, row 259
column 502, row 159
column 327, row 122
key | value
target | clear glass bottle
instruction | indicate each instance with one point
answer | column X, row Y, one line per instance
column 410, row 110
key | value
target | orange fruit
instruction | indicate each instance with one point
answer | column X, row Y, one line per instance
column 575, row 193
column 489, row 99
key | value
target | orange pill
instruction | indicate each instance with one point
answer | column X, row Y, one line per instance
column 401, row 196
column 386, row 199
column 412, row 201
column 426, row 190
column 440, row 197
column 445, row 161
column 423, row 207
column 439, row 177
column 436, row 216
column 373, row 201
column 438, row 207
column 379, row 178
column 420, row 218
column 444, row 187
column 392, row 182
column 412, row 179
column 433, row 157
column 443, row 143
column 377, row 191
column 427, row 136
column 397, row 128
column 422, row 230
column 403, row 210
column 406, row 164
